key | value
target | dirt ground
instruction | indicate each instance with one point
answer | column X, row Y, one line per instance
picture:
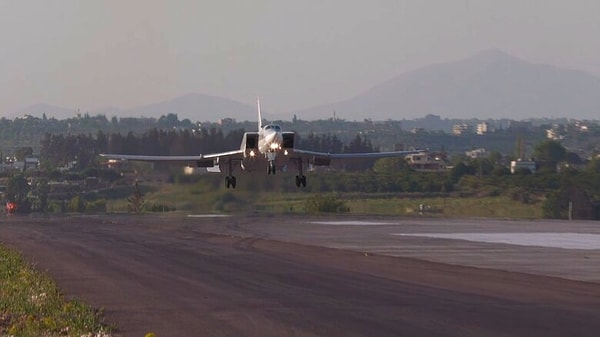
column 177, row 276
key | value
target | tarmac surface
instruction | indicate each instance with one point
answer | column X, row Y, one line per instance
column 261, row 275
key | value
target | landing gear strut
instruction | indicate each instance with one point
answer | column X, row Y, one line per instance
column 271, row 169
column 300, row 178
column 230, row 180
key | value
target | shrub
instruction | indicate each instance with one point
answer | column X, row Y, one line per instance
column 325, row 204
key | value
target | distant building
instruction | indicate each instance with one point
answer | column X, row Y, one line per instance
column 553, row 134
column 581, row 126
column 29, row 164
column 477, row 153
column 226, row 121
column 426, row 162
column 482, row 128
column 519, row 125
column 461, row 129
column 516, row 165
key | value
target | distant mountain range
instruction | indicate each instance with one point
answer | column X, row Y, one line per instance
column 196, row 107
column 490, row 84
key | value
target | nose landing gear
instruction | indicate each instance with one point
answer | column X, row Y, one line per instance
column 271, row 169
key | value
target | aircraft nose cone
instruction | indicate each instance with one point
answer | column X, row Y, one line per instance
column 274, row 137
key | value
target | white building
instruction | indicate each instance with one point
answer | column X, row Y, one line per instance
column 482, row 128
column 426, row 162
column 460, row 129
column 515, row 165
column 477, row 153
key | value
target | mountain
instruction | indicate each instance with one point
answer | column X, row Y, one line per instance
column 195, row 107
column 38, row 110
column 490, row 84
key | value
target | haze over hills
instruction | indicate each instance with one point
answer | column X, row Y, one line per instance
column 196, row 107
column 490, row 84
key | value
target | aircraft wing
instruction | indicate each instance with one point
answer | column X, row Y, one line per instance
column 198, row 160
column 136, row 157
column 369, row 155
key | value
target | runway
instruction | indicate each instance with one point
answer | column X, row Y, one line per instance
column 261, row 275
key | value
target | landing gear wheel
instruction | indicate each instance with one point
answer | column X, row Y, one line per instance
column 301, row 181
column 230, row 181
column 271, row 169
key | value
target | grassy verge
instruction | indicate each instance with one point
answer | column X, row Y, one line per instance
column 32, row 305
column 486, row 207
column 200, row 198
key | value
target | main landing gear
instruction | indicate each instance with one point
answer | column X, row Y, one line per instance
column 300, row 178
column 230, row 180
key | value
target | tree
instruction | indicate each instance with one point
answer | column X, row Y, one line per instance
column 390, row 165
column 16, row 191
column 550, row 151
column 136, row 201
column 23, row 153
column 17, row 188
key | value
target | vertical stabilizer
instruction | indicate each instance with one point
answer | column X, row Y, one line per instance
column 259, row 115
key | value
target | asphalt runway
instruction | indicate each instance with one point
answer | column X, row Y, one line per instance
column 260, row 275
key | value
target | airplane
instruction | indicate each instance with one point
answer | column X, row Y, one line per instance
column 269, row 147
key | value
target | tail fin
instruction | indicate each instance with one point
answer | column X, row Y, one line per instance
column 259, row 115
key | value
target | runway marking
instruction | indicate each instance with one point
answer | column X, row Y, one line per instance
column 351, row 223
column 550, row 240
column 208, row 215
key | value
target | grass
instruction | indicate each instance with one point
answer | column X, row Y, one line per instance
column 455, row 207
column 31, row 304
column 198, row 197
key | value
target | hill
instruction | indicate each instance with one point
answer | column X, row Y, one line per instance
column 195, row 107
column 490, row 84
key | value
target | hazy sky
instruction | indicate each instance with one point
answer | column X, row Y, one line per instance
column 92, row 54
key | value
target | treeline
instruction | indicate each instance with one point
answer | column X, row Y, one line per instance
column 564, row 184
column 82, row 150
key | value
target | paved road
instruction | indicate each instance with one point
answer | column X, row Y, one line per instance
column 182, row 277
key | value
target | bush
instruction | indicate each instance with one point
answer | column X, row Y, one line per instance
column 325, row 204
column 96, row 206
column 160, row 208
column 76, row 204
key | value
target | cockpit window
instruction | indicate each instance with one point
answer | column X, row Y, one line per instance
column 273, row 126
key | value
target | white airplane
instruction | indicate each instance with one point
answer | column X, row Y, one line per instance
column 269, row 148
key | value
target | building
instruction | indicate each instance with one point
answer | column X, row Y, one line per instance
column 477, row 153
column 460, row 129
column 516, row 165
column 482, row 128
column 426, row 162
column 29, row 164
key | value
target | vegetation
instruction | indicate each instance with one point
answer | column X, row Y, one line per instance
column 72, row 177
column 31, row 305
column 325, row 204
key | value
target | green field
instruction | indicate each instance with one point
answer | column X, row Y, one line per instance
column 207, row 199
column 31, row 305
